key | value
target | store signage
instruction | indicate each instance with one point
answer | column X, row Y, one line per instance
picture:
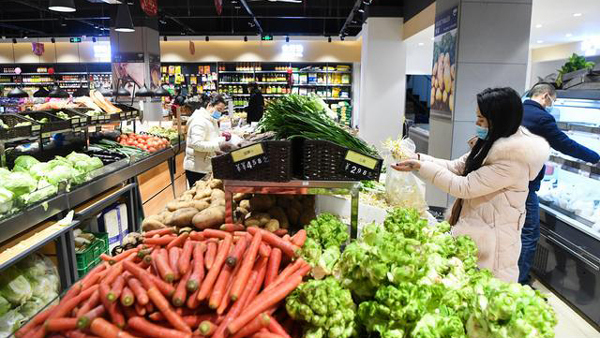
column 359, row 165
column 293, row 50
column 75, row 40
column 38, row 48
column 150, row 7
column 266, row 37
column 444, row 63
column 249, row 158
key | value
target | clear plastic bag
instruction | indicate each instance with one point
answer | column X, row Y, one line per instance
column 403, row 189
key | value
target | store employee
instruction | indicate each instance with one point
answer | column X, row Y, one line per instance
column 537, row 119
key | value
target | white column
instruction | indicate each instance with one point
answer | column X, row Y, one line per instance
column 382, row 80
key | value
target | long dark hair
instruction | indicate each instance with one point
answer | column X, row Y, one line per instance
column 503, row 109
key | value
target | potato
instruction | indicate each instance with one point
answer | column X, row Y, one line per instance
column 240, row 213
column 252, row 222
column 245, row 204
column 172, row 206
column 263, row 218
column 432, row 95
column 167, row 216
column 183, row 217
column 272, row 225
column 237, row 197
column 217, row 194
column 293, row 215
column 186, row 197
column 279, row 214
column 199, row 186
column 200, row 205
column 200, row 194
column 209, row 218
column 152, row 224
column 218, row 203
column 306, row 217
column 261, row 202
column 215, row 184
column 438, row 96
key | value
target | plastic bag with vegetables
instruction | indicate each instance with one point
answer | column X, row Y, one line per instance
column 6, row 200
column 14, row 287
column 10, row 322
column 403, row 189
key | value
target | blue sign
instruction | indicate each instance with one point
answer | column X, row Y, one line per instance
column 446, row 21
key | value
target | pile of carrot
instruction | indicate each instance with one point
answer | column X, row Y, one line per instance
column 212, row 283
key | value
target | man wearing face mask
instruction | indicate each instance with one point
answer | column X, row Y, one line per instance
column 204, row 139
column 537, row 118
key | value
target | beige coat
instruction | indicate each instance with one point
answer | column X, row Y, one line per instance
column 494, row 197
column 202, row 141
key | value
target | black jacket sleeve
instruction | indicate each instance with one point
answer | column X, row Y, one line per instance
column 560, row 141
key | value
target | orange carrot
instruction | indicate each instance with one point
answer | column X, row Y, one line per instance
column 92, row 302
column 138, row 291
column 104, row 329
column 287, row 238
column 261, row 267
column 211, row 252
column 263, row 302
column 115, row 271
column 197, row 275
column 192, row 301
column 60, row 324
column 230, row 227
column 121, row 256
column 247, row 264
column 299, row 238
column 140, row 274
column 221, row 284
column 163, row 306
column 65, row 307
column 214, row 233
column 236, row 308
column 164, row 240
column 276, row 328
column 197, row 236
column 240, row 233
column 38, row 332
column 165, row 231
column 111, row 307
column 127, row 297
column 180, row 291
column 37, row 320
column 162, row 265
column 146, row 261
column 211, row 277
column 179, row 241
column 207, row 328
column 226, row 299
column 164, row 287
column 93, row 276
column 140, row 309
column 155, row 331
column 184, row 259
column 273, row 267
column 288, row 271
column 83, row 322
column 117, row 288
column 174, row 254
column 261, row 321
column 264, row 250
column 262, row 334
column 286, row 247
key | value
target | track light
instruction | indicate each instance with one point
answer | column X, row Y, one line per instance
column 124, row 24
column 14, row 40
column 53, row 40
column 329, row 39
column 62, row 5
column 342, row 37
column 58, row 92
column 287, row 39
column 245, row 39
column 207, row 38
column 42, row 92
column 165, row 38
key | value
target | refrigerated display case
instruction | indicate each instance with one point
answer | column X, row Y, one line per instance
column 568, row 254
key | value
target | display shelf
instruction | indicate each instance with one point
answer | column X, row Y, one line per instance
column 576, row 166
column 271, row 71
column 322, row 71
column 233, row 83
column 236, row 72
column 272, row 83
column 337, row 98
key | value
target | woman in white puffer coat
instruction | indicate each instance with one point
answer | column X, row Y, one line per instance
column 490, row 182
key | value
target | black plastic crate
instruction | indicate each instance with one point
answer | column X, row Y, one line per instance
column 11, row 120
column 92, row 119
column 54, row 124
column 263, row 161
column 76, row 119
column 321, row 160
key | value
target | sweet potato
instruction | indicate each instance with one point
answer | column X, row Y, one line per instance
column 261, row 202
column 215, row 184
column 218, row 202
column 278, row 214
column 200, row 194
column 209, row 218
column 263, row 218
column 183, row 217
column 186, row 197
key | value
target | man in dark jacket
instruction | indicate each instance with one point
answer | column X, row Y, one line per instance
column 256, row 104
column 538, row 120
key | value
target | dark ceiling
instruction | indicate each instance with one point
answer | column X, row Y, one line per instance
column 19, row 18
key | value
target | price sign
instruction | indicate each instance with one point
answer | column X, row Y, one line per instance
column 359, row 165
column 36, row 127
column 249, row 158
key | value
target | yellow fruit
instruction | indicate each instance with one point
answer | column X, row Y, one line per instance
column 453, row 71
column 447, row 60
column 447, row 78
column 435, row 67
column 432, row 95
column 451, row 102
column 438, row 95
column 445, row 96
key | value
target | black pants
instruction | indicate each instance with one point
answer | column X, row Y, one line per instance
column 193, row 176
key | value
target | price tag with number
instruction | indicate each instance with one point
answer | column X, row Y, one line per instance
column 249, row 158
column 36, row 127
column 359, row 166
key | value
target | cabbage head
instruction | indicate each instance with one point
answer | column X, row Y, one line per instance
column 20, row 183
column 5, row 306
column 3, row 174
column 24, row 163
column 32, row 307
column 14, row 287
column 84, row 162
column 6, row 200
column 60, row 173
column 10, row 322
column 39, row 170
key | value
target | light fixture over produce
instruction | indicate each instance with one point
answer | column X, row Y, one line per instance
column 161, row 92
column 144, row 92
column 123, row 23
column 62, row 6
column 17, row 92
column 42, row 92
column 58, row 92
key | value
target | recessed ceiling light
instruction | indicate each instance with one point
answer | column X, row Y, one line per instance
column 420, row 44
column 539, row 25
column 577, row 14
column 568, row 35
column 540, row 41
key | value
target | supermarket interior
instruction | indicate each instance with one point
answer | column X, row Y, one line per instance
column 230, row 168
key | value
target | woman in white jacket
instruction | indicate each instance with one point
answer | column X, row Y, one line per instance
column 490, row 182
column 204, row 139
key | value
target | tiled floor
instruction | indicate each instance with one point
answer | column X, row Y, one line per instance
column 570, row 324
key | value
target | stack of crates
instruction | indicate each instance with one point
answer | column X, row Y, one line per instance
column 90, row 257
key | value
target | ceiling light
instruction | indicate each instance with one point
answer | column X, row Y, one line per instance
column 123, row 23
column 106, row 92
column 577, row 14
column 539, row 25
column 144, row 92
column 245, row 39
column 58, row 92
column 17, row 92
column 420, row 44
column 42, row 92
column 568, row 35
column 161, row 92
column 165, row 38
column 540, row 41
column 62, row 5
column 207, row 39
column 329, row 39
column 122, row 92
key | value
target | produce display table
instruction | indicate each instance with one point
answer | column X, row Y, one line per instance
column 294, row 187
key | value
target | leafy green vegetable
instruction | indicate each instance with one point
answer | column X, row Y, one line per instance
column 327, row 230
column 5, row 306
column 84, row 162
column 325, row 306
column 14, row 287
column 293, row 116
column 24, row 163
column 10, row 322
column 6, row 200
column 575, row 62
column 39, row 170
column 60, row 173
column 20, row 183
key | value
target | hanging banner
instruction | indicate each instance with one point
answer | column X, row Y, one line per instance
column 150, row 7
column 37, row 48
column 192, row 48
column 219, row 6
column 444, row 63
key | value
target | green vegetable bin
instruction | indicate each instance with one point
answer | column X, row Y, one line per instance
column 90, row 257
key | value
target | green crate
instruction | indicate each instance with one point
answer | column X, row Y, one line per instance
column 91, row 256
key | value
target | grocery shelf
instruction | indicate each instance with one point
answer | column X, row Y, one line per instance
column 322, row 71
column 321, row 85
column 586, row 128
column 245, row 95
column 274, row 95
column 233, row 83
column 271, row 71
column 236, row 72
column 272, row 83
column 575, row 222
column 337, row 98
column 577, row 166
